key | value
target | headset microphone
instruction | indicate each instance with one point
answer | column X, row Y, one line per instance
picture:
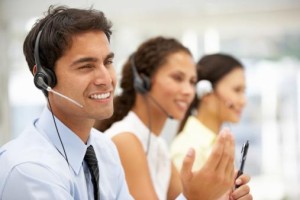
column 142, row 85
column 160, row 107
column 42, row 85
column 45, row 78
column 49, row 89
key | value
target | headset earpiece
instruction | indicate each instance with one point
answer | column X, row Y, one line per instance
column 43, row 77
column 141, row 83
column 203, row 88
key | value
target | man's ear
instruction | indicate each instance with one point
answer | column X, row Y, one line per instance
column 34, row 69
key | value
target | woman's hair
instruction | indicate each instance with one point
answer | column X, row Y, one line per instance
column 212, row 68
column 148, row 58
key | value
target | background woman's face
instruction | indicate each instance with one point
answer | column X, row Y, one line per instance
column 231, row 95
column 173, row 85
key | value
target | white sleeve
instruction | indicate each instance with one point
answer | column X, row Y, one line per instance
column 34, row 181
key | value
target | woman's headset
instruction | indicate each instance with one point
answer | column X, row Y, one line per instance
column 203, row 87
column 141, row 83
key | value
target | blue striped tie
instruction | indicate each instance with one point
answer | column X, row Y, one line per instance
column 92, row 163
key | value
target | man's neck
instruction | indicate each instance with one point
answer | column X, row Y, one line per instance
column 81, row 127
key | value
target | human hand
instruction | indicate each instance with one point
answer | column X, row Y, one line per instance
column 243, row 191
column 216, row 177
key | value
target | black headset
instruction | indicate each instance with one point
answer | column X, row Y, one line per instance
column 141, row 83
column 43, row 77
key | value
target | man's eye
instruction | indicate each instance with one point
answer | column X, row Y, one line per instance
column 109, row 62
column 86, row 66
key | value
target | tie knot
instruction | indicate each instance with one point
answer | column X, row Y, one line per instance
column 90, row 156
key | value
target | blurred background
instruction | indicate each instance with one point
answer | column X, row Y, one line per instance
column 263, row 34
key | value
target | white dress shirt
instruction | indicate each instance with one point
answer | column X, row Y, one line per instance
column 33, row 166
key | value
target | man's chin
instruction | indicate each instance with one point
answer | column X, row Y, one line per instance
column 107, row 115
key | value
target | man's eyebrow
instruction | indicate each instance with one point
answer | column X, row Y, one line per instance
column 91, row 59
column 85, row 59
column 110, row 55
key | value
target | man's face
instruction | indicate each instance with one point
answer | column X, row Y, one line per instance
column 85, row 73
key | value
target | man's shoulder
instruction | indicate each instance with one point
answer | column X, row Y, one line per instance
column 28, row 153
column 29, row 139
column 29, row 147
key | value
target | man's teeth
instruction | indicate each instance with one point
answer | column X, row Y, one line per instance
column 100, row 96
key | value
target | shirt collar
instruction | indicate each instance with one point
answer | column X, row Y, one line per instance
column 74, row 147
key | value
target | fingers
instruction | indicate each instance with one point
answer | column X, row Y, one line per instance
column 226, row 164
column 230, row 161
column 217, row 152
column 222, row 155
column 186, row 169
column 242, row 193
column 221, row 160
column 243, row 179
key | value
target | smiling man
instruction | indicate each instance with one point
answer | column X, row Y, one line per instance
column 69, row 54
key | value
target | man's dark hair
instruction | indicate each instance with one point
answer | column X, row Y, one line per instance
column 58, row 27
